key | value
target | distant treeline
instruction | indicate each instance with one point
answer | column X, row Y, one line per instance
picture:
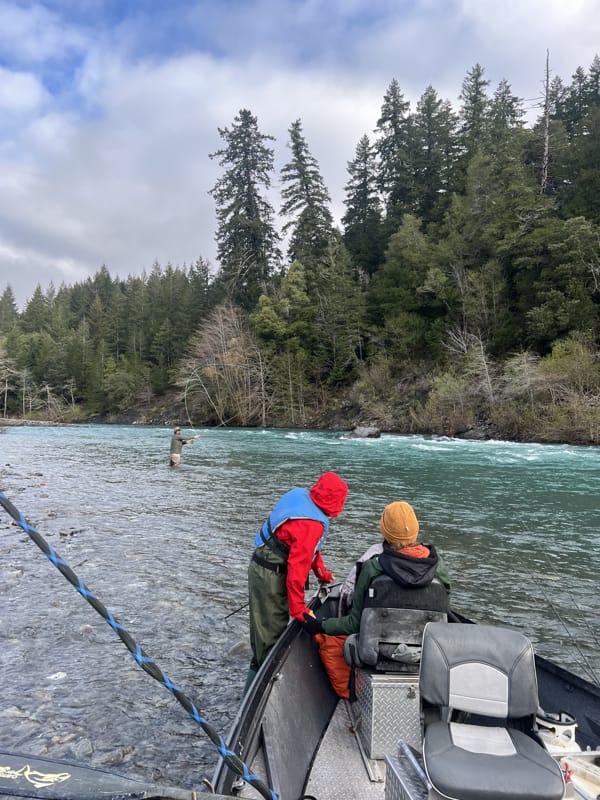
column 463, row 287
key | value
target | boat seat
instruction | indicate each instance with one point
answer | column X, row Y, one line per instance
column 478, row 694
column 392, row 624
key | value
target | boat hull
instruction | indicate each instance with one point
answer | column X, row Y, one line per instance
column 283, row 719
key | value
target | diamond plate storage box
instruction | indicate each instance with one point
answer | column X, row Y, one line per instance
column 402, row 782
column 388, row 711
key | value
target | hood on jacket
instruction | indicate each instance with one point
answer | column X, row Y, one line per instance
column 408, row 570
column 329, row 493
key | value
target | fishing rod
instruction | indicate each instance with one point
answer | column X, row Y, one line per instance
column 237, row 611
column 140, row 657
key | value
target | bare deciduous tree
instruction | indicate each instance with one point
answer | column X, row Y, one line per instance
column 226, row 369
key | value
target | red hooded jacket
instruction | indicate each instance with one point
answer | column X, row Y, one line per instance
column 302, row 536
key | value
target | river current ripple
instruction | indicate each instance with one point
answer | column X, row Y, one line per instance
column 166, row 551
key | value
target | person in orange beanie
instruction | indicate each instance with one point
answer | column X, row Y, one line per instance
column 406, row 561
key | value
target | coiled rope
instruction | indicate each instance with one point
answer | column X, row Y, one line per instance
column 141, row 658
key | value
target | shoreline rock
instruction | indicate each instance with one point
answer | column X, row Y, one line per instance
column 364, row 432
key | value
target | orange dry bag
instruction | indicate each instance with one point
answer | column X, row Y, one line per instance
column 332, row 656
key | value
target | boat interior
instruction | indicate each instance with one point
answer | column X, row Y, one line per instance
column 436, row 710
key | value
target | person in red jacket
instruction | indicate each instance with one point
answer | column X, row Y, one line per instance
column 287, row 547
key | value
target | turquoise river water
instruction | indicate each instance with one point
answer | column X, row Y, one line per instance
column 166, row 551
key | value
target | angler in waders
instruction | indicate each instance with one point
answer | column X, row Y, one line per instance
column 177, row 442
column 288, row 546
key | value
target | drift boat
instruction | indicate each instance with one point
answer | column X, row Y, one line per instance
column 294, row 731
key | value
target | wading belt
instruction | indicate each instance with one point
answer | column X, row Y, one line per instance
column 280, row 569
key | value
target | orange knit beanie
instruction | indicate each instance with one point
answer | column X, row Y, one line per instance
column 399, row 524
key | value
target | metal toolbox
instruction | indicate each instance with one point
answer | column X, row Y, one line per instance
column 388, row 710
column 401, row 780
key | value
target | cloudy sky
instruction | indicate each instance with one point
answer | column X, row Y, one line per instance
column 109, row 108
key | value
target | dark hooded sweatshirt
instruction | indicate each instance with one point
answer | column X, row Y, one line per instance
column 407, row 570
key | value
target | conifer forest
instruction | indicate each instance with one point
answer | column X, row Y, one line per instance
column 460, row 291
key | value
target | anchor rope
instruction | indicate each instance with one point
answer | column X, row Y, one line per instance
column 140, row 657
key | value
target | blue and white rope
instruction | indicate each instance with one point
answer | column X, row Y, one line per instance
column 140, row 657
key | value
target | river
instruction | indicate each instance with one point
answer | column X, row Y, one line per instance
column 166, row 551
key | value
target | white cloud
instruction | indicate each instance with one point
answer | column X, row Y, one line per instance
column 20, row 92
column 132, row 186
column 33, row 34
column 113, row 168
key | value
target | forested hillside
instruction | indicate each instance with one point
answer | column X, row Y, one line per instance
column 461, row 290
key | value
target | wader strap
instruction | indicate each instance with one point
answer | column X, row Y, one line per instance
column 276, row 545
column 280, row 569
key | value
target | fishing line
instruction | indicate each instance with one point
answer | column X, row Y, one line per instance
column 185, row 402
column 187, row 411
column 194, row 375
column 574, row 602
column 584, row 661
column 140, row 657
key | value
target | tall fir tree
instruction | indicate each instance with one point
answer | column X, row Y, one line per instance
column 393, row 147
column 434, row 125
column 593, row 83
column 305, row 202
column 506, row 109
column 474, row 112
column 9, row 314
column 37, row 313
column 577, row 104
column 362, row 221
column 247, row 242
column 339, row 323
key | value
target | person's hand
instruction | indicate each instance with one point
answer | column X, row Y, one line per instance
column 327, row 577
column 311, row 624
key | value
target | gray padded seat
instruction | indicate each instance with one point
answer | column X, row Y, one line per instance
column 392, row 623
column 489, row 752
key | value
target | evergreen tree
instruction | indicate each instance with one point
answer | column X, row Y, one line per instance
column 9, row 315
column 506, row 109
column 136, row 293
column 37, row 313
column 593, row 84
column 473, row 112
column 580, row 195
column 305, row 202
column 577, row 104
column 556, row 96
column 339, row 325
column 435, row 153
column 199, row 282
column 246, row 239
column 362, row 220
column 400, row 301
column 393, row 148
column 284, row 324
